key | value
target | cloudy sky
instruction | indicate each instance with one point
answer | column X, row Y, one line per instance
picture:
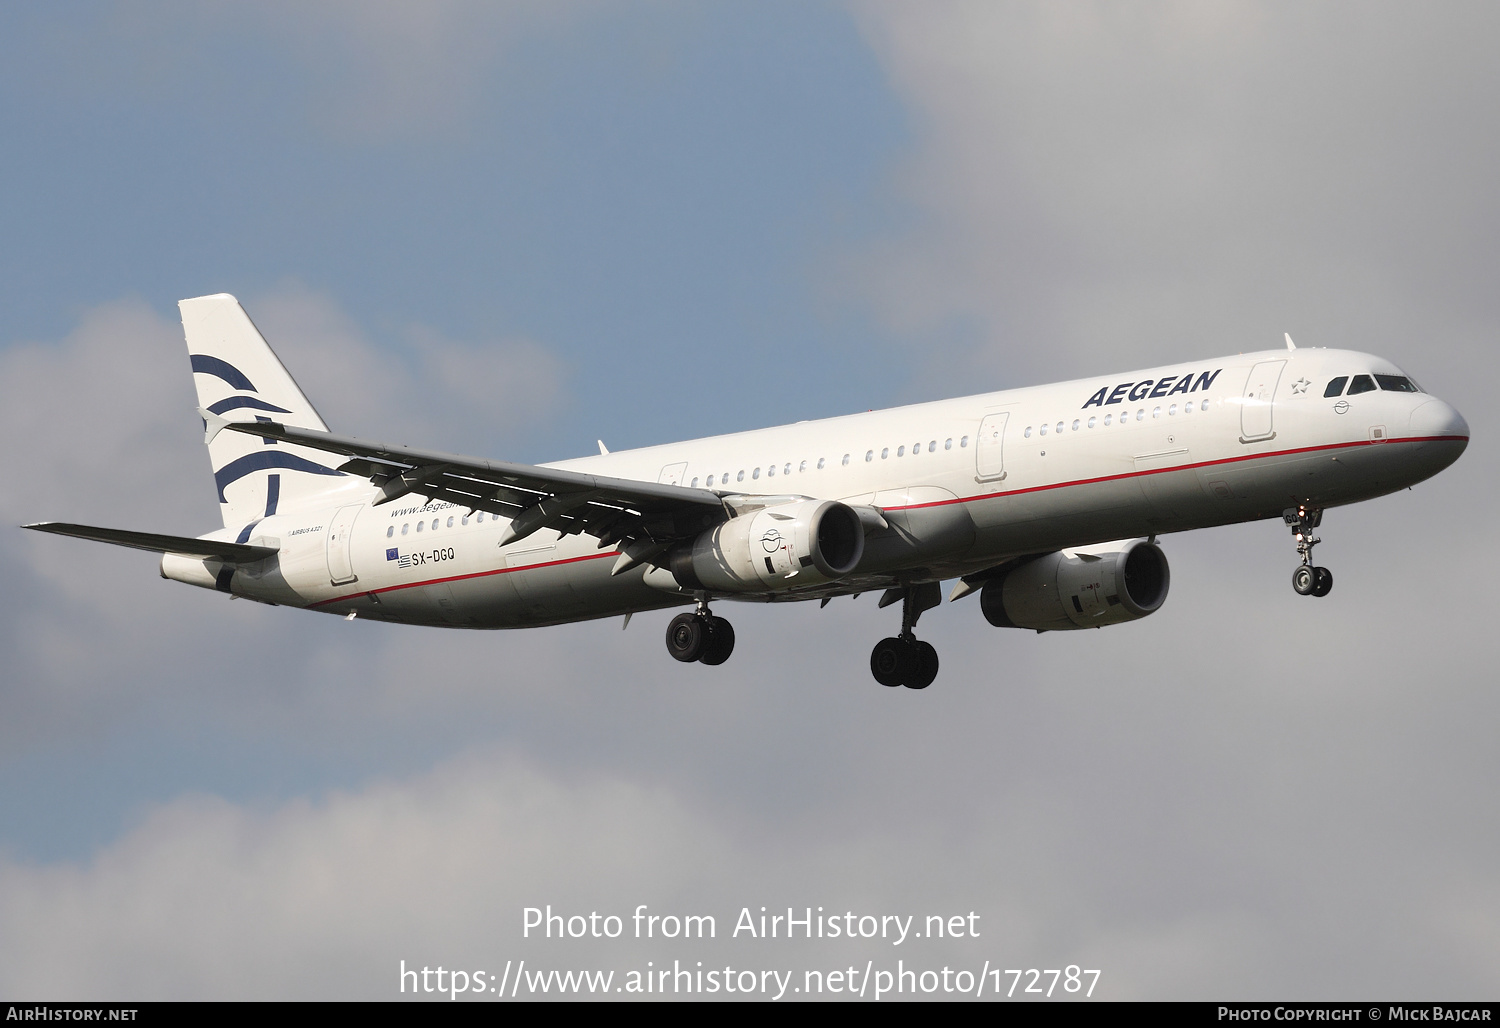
column 513, row 229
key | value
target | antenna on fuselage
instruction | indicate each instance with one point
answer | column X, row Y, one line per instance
column 1289, row 344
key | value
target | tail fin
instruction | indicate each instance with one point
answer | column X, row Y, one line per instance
column 235, row 371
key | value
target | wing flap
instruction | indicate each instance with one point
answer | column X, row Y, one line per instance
column 531, row 477
column 531, row 496
column 230, row 553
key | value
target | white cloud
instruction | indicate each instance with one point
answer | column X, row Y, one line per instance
column 1118, row 185
column 106, row 432
column 424, row 390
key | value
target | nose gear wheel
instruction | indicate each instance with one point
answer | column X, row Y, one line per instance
column 1307, row 580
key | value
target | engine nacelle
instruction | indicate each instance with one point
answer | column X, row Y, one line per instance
column 1091, row 588
column 806, row 542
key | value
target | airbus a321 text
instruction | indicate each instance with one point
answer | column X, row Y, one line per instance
column 1046, row 501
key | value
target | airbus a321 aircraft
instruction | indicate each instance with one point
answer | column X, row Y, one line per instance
column 1046, row 501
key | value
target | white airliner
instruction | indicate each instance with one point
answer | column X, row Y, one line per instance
column 1046, row 501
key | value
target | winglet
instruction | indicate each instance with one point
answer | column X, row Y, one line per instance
column 213, row 424
column 1289, row 344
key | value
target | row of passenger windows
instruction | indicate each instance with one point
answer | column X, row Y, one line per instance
column 786, row 469
column 1140, row 415
column 1364, row 384
column 435, row 524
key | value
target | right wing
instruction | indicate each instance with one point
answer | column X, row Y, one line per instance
column 205, row 549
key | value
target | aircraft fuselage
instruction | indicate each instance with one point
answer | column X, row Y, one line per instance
column 962, row 484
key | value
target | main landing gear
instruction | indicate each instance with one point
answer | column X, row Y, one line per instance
column 1307, row 579
column 905, row 659
column 700, row 636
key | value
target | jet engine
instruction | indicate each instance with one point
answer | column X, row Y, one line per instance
column 806, row 542
column 1087, row 588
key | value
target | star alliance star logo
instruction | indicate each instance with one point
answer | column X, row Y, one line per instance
column 1300, row 386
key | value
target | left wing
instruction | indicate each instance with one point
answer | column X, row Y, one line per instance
column 642, row 518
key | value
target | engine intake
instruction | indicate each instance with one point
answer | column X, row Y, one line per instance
column 1087, row 588
column 807, row 542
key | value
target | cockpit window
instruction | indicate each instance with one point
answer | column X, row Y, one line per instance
column 1361, row 384
column 1396, row 384
column 1336, row 386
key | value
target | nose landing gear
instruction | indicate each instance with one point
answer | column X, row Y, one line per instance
column 1307, row 580
column 700, row 636
column 905, row 659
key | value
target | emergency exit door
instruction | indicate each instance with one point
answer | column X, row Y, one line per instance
column 989, row 447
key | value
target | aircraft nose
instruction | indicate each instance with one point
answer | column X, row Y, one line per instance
column 1439, row 419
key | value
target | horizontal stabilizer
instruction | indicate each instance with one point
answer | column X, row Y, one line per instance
column 230, row 553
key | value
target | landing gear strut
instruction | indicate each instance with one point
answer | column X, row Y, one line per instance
column 700, row 636
column 1307, row 579
column 905, row 659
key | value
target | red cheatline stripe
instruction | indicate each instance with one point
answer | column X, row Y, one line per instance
column 941, row 503
column 460, row 578
column 1184, row 467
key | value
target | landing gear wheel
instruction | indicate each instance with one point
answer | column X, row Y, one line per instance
column 720, row 642
column 1322, row 582
column 1305, row 580
column 892, row 662
column 927, row 665
column 686, row 637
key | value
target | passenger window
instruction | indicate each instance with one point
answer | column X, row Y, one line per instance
column 710, row 481
column 450, row 520
column 1043, row 430
column 480, row 517
column 770, row 472
column 1188, row 407
column 901, row 451
column 390, row 531
column 1075, row 424
column 1396, row 384
column 1336, row 387
column 1140, row 415
column 788, row 469
column 820, row 463
column 1172, row 410
column 885, row 452
column 421, row 525
column 948, row 445
column 435, row 523
column 1361, row 384
column 1156, row 412
column 694, row 483
column 755, row 474
column 846, row 460
column 740, row 477
column 1026, row 434
column 1059, row 428
column 1093, row 422
column 869, row 456
column 1108, row 420
column 964, row 441
column 464, row 520
column 1203, row 406
column 803, row 467
column 932, row 446
column 404, row 528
